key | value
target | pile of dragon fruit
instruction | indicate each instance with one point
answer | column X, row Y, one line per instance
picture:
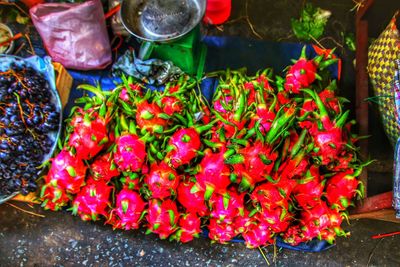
column 268, row 157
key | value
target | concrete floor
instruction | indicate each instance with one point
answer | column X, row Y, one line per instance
column 60, row 239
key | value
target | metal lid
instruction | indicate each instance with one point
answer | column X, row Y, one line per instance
column 161, row 20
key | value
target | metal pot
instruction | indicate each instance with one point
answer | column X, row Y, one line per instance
column 161, row 20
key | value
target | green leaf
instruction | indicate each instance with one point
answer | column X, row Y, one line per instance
column 265, row 160
column 311, row 23
column 92, row 192
column 71, row 171
column 171, row 217
column 233, row 177
column 125, row 205
column 226, row 201
column 194, row 189
column 103, row 141
column 186, row 138
column 235, row 159
column 156, row 226
column 164, row 116
column 146, row 115
column 171, row 177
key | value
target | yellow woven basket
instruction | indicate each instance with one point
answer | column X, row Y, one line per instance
column 381, row 68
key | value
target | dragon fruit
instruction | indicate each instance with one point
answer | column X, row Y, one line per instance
column 53, row 198
column 226, row 206
column 278, row 219
column 92, row 200
column 301, row 74
column 329, row 99
column 222, row 102
column 269, row 196
column 243, row 222
column 128, row 210
column 221, row 232
column 255, row 163
column 162, row 217
column 294, row 167
column 171, row 105
column 135, row 88
column 330, row 141
column 213, row 174
column 89, row 134
column 257, row 234
column 148, row 117
column 162, row 181
column 293, row 235
column 192, row 201
column 131, row 181
column 183, row 146
column 130, row 153
column 318, row 219
column 189, row 227
column 265, row 116
column 67, row 172
column 229, row 108
column 258, row 162
column 309, row 190
column 341, row 188
column 103, row 168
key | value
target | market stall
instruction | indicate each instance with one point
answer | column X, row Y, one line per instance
column 172, row 134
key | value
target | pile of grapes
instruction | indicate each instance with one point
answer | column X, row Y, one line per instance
column 28, row 119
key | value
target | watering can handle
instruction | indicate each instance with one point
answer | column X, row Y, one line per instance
column 145, row 50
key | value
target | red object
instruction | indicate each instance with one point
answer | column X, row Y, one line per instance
column 385, row 235
column 15, row 37
column 326, row 52
column 31, row 3
column 112, row 11
column 217, row 11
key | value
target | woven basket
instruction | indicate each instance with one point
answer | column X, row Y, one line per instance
column 381, row 69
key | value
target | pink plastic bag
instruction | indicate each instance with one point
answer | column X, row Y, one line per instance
column 74, row 35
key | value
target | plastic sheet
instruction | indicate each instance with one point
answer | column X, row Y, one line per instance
column 74, row 35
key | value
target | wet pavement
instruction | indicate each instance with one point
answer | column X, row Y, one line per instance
column 60, row 239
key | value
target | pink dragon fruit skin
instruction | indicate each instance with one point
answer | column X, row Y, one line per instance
column 227, row 205
column 184, row 145
column 67, row 172
column 341, row 188
column 189, row 227
column 131, row 153
column 103, row 168
column 162, row 217
column 257, row 234
column 213, row 175
column 92, row 200
column 221, row 232
column 89, row 134
column 162, row 180
column 53, row 198
column 192, row 201
column 128, row 210
column 300, row 75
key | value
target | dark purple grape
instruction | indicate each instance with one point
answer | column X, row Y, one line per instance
column 28, row 139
